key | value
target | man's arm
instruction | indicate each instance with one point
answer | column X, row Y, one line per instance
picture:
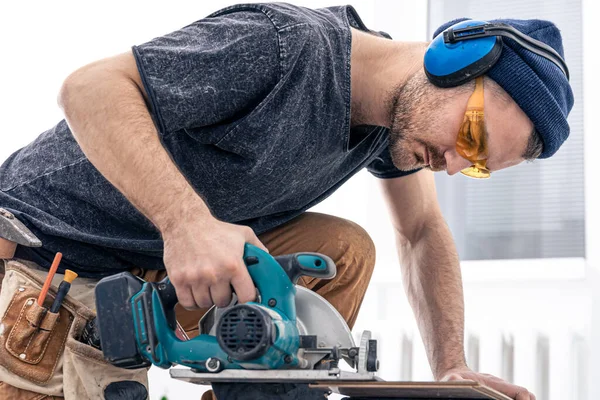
column 430, row 268
column 104, row 106
column 432, row 279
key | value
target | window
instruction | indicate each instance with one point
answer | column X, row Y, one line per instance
column 534, row 210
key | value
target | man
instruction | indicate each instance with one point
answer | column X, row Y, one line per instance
column 173, row 155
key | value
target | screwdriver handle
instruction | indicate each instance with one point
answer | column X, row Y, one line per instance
column 62, row 291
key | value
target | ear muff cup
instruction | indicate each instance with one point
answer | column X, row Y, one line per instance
column 452, row 64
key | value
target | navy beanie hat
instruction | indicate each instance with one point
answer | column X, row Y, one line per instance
column 536, row 84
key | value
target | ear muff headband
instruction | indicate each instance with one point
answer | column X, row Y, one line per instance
column 470, row 48
column 531, row 44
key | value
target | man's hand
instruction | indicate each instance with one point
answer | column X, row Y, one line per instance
column 512, row 391
column 204, row 261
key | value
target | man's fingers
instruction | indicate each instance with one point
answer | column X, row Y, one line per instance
column 512, row 391
column 243, row 285
column 525, row 395
column 453, row 377
column 185, row 297
column 201, row 297
column 221, row 294
column 253, row 239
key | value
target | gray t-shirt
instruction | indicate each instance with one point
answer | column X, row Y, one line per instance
column 253, row 105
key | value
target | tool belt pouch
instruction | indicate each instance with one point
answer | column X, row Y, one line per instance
column 32, row 339
column 40, row 351
column 87, row 375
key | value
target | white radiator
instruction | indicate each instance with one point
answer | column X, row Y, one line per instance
column 402, row 358
column 541, row 346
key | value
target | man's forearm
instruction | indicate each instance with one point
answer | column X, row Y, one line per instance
column 109, row 119
column 433, row 283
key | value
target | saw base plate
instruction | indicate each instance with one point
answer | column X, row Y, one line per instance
column 270, row 376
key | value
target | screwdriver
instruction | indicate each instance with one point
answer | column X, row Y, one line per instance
column 63, row 289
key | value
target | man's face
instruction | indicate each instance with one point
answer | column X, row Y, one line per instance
column 427, row 119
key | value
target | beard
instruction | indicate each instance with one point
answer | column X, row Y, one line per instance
column 416, row 123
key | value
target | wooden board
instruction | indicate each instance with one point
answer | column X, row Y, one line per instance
column 414, row 390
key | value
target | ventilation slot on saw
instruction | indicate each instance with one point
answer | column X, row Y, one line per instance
column 243, row 332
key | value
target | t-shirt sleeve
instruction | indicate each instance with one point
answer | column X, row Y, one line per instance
column 212, row 70
column 383, row 167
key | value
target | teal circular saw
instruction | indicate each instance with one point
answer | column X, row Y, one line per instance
column 287, row 332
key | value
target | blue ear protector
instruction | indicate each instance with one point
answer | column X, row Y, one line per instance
column 470, row 48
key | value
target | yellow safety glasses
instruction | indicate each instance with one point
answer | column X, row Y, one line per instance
column 471, row 143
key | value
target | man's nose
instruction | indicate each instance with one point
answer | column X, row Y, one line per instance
column 455, row 163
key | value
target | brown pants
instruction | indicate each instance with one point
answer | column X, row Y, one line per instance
column 345, row 242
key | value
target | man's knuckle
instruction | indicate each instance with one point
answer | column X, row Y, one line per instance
column 177, row 278
column 222, row 301
column 205, row 277
column 229, row 265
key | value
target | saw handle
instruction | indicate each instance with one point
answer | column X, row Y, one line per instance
column 295, row 265
column 167, row 294
column 168, row 297
column 308, row 264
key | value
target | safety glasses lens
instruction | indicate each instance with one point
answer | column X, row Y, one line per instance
column 475, row 172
